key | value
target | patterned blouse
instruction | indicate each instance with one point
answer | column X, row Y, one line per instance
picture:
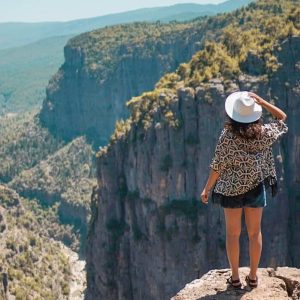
column 243, row 164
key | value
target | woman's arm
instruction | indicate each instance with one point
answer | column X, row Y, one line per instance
column 275, row 111
column 213, row 176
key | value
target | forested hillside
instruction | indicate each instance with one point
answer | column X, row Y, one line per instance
column 25, row 71
column 23, row 144
column 37, row 165
column 33, row 264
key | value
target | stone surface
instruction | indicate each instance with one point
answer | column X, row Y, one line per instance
column 78, row 274
column 282, row 284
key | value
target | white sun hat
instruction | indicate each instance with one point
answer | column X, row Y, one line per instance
column 242, row 108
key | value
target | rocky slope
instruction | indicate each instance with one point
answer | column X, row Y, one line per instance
column 149, row 234
column 281, row 283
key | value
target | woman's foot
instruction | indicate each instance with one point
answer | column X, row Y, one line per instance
column 251, row 282
column 234, row 283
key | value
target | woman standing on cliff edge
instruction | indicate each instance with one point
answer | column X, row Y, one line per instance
column 241, row 170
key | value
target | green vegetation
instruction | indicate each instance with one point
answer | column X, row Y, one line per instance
column 105, row 48
column 60, row 176
column 49, row 223
column 67, row 174
column 23, row 143
column 37, row 267
column 256, row 30
column 66, row 179
column 122, row 127
column 142, row 110
column 211, row 62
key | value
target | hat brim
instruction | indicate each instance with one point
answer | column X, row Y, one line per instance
column 229, row 103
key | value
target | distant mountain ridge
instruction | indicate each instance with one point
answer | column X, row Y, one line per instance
column 15, row 34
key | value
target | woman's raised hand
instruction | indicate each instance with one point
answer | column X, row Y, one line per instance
column 275, row 111
column 256, row 98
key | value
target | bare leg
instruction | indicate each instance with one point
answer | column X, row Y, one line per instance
column 233, row 231
column 253, row 222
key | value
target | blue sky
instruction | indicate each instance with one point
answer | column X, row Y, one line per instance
column 63, row 10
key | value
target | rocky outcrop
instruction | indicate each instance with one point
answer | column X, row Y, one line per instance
column 78, row 102
column 149, row 234
column 281, row 283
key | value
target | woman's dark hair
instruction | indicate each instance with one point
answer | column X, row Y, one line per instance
column 247, row 131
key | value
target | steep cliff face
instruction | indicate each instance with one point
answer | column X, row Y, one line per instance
column 286, row 87
column 88, row 93
column 149, row 234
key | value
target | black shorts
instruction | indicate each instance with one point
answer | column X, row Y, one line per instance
column 257, row 197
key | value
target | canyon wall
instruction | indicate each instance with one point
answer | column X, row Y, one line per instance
column 149, row 233
column 79, row 101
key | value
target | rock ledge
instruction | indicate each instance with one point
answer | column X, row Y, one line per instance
column 276, row 284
